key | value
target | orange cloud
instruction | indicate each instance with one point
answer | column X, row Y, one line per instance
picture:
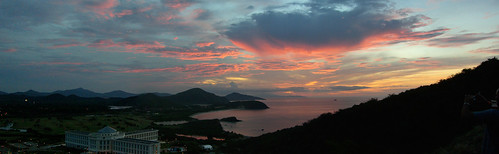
column 204, row 44
column 285, row 65
column 326, row 71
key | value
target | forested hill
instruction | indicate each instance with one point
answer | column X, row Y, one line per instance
column 415, row 121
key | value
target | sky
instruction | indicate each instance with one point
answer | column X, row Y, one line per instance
column 313, row 48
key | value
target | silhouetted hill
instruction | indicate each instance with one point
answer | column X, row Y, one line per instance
column 3, row 93
column 162, row 94
column 250, row 105
column 197, row 96
column 118, row 93
column 415, row 121
column 54, row 104
column 31, row 93
column 78, row 92
column 241, row 97
column 149, row 101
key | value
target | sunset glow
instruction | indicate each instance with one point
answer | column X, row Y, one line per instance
column 284, row 47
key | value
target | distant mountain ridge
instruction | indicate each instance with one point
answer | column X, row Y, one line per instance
column 81, row 92
column 241, row 97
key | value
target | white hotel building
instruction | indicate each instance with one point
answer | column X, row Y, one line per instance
column 109, row 140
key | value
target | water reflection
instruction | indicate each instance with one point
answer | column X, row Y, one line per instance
column 283, row 113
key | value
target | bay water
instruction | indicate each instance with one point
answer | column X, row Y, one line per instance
column 282, row 113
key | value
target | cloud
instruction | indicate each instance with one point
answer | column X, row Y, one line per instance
column 421, row 61
column 204, row 44
column 103, row 8
column 333, row 27
column 200, row 14
column 232, row 84
column 347, row 88
column 194, row 70
column 178, row 4
column 60, row 43
column 489, row 50
column 462, row 39
column 199, row 53
column 22, row 14
column 9, row 50
column 55, row 63
column 285, row 65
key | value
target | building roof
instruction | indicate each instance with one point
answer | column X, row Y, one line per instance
column 107, row 129
column 140, row 131
column 137, row 141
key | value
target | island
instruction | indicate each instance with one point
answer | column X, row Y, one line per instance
column 230, row 119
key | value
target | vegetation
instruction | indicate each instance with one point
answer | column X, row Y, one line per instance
column 241, row 97
column 47, row 116
column 250, row 105
column 415, row 121
column 197, row 96
column 230, row 119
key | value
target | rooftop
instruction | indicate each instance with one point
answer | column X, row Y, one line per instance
column 107, row 129
column 137, row 141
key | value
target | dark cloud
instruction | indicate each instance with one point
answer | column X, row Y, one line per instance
column 462, row 39
column 339, row 24
column 347, row 88
column 21, row 14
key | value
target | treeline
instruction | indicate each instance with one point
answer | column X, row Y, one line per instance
column 415, row 121
column 52, row 105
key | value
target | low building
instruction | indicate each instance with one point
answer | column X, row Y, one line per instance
column 109, row 139
column 130, row 145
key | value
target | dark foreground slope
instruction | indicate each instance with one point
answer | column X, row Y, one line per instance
column 415, row 121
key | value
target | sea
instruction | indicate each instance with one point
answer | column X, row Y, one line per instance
column 282, row 113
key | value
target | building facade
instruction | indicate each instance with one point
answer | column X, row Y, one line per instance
column 108, row 139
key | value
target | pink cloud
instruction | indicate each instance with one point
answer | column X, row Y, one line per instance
column 489, row 50
column 421, row 61
column 195, row 70
column 204, row 53
column 103, row 8
column 145, row 9
column 124, row 13
column 9, row 50
column 204, row 44
column 107, row 43
column 462, row 39
column 167, row 18
column 177, row 4
column 199, row 55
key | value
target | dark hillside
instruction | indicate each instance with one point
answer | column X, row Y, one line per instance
column 415, row 121
column 241, row 97
column 149, row 101
column 197, row 96
column 55, row 104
